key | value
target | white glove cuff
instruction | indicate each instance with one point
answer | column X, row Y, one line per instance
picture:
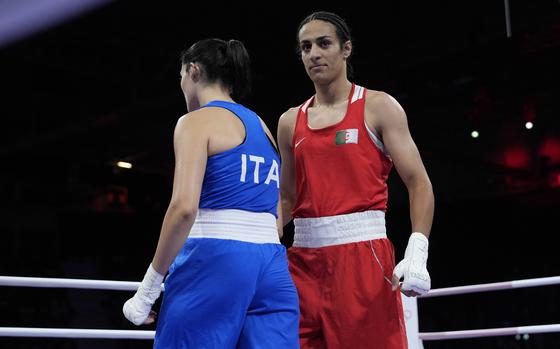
column 137, row 309
column 417, row 246
column 413, row 267
column 150, row 288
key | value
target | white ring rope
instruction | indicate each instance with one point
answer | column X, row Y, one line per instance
column 74, row 333
column 496, row 286
column 135, row 334
column 19, row 281
column 133, row 286
column 506, row 331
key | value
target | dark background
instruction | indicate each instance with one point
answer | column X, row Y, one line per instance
column 102, row 86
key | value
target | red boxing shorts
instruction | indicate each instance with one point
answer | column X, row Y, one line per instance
column 342, row 267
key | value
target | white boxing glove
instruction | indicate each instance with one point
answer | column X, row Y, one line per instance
column 137, row 308
column 413, row 266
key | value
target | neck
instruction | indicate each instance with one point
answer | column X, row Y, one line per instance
column 212, row 93
column 332, row 93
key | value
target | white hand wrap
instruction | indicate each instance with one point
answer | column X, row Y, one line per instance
column 137, row 308
column 413, row 266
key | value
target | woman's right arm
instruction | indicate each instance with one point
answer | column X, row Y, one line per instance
column 286, row 126
column 191, row 154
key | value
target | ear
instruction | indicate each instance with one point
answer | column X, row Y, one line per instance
column 194, row 71
column 347, row 49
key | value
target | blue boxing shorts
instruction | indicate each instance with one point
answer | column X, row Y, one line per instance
column 223, row 293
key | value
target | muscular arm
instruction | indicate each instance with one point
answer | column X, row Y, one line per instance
column 286, row 126
column 389, row 119
column 279, row 221
column 191, row 153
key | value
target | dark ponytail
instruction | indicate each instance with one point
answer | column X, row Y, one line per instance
column 225, row 62
column 240, row 69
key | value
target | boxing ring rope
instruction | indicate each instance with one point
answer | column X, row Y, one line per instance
column 74, row 333
column 496, row 286
column 136, row 334
column 490, row 332
column 17, row 281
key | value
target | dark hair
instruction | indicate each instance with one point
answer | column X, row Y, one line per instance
column 342, row 31
column 222, row 61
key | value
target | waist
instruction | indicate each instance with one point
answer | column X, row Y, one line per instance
column 255, row 227
column 340, row 229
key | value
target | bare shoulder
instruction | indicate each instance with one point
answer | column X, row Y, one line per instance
column 182, row 123
column 383, row 107
column 204, row 116
column 286, row 126
column 197, row 121
column 381, row 101
column 288, row 117
column 267, row 131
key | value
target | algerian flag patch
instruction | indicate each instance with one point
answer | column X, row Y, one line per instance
column 346, row 136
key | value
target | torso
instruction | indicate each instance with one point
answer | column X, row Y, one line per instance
column 228, row 131
column 242, row 170
column 321, row 117
column 339, row 169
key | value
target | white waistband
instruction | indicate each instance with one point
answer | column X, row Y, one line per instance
column 256, row 227
column 341, row 229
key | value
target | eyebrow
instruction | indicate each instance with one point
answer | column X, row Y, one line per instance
column 317, row 39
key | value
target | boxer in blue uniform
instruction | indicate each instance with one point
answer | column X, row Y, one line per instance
column 228, row 284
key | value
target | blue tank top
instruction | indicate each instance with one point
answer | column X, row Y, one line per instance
column 246, row 177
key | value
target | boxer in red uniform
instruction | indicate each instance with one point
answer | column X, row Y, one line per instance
column 337, row 149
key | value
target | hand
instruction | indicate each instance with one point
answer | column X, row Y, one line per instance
column 412, row 269
column 139, row 312
column 151, row 318
column 138, row 309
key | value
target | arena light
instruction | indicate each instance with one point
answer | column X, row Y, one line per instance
column 529, row 125
column 475, row 134
column 20, row 19
column 124, row 164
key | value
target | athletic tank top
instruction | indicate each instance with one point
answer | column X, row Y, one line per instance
column 246, row 177
column 341, row 168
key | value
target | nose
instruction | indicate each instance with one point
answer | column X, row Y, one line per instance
column 314, row 52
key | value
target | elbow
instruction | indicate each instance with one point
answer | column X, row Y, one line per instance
column 421, row 186
column 419, row 182
column 425, row 186
column 287, row 199
column 185, row 211
column 287, row 203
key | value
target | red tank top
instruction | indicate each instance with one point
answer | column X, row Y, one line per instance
column 339, row 168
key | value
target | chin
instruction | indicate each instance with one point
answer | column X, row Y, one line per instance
column 320, row 79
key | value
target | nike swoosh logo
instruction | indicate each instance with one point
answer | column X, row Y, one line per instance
column 299, row 142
